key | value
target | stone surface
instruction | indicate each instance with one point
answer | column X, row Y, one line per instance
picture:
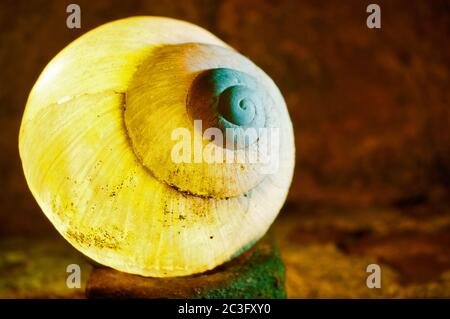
column 257, row 273
column 36, row 268
column 326, row 251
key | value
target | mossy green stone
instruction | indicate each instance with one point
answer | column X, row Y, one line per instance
column 256, row 273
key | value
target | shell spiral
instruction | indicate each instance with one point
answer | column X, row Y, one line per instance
column 98, row 136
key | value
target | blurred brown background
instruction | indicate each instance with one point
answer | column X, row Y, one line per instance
column 370, row 109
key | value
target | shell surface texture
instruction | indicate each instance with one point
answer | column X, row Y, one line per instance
column 97, row 147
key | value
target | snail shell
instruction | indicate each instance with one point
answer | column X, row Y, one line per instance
column 96, row 147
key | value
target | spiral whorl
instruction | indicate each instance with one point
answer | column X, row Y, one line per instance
column 227, row 98
column 238, row 105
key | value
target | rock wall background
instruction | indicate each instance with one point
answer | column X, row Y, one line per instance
column 370, row 107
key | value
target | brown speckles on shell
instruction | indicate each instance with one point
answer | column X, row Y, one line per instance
column 96, row 237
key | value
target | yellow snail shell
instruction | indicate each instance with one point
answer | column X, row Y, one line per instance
column 95, row 144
